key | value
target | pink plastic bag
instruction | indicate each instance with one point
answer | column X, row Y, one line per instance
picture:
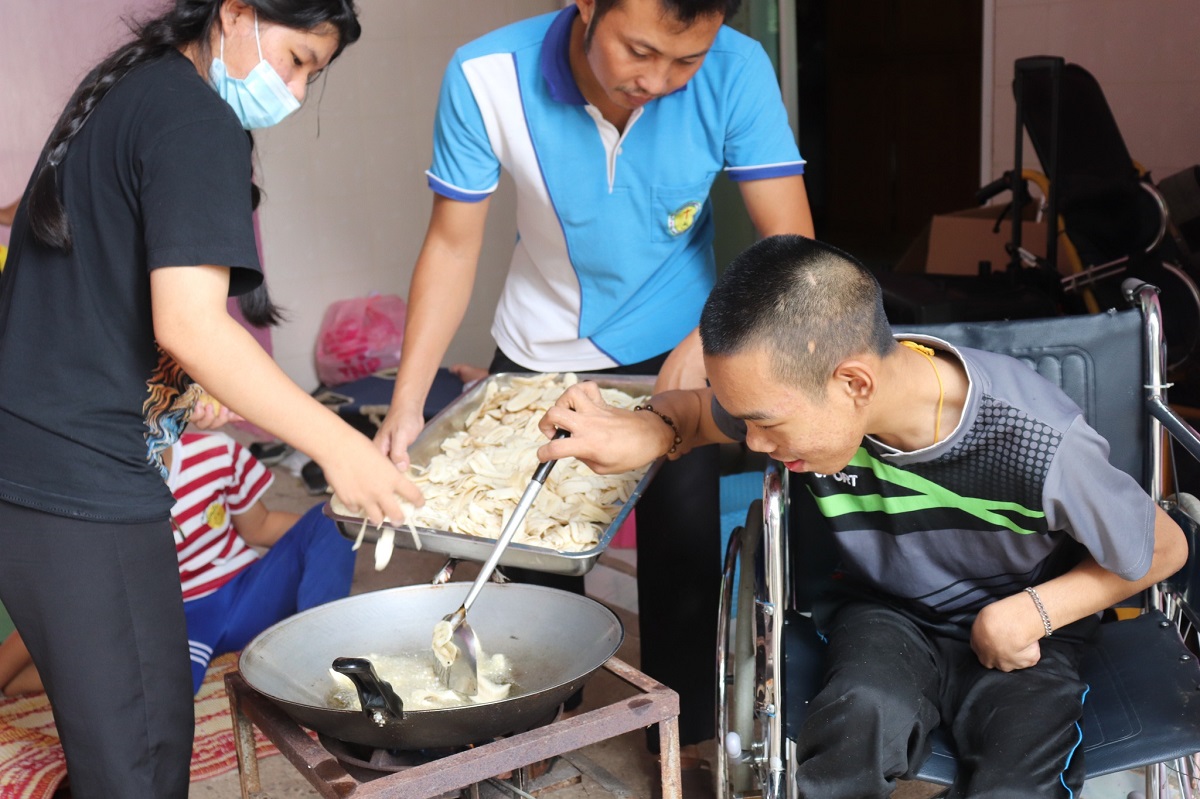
column 360, row 336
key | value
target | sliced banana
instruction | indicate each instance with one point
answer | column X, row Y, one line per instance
column 473, row 483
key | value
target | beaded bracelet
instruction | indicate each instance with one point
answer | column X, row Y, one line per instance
column 1041, row 609
column 670, row 423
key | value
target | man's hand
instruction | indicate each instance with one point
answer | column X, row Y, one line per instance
column 398, row 430
column 684, row 367
column 607, row 439
column 1006, row 633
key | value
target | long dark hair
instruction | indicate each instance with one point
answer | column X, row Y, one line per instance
column 187, row 22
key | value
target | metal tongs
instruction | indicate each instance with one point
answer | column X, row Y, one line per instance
column 462, row 673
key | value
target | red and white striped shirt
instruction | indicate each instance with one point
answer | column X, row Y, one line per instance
column 212, row 478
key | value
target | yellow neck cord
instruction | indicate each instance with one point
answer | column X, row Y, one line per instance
column 928, row 353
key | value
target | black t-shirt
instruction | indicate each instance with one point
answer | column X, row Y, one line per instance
column 158, row 177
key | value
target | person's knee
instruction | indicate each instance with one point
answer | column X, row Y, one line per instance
column 862, row 708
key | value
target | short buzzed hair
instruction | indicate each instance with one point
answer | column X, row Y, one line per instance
column 686, row 11
column 810, row 305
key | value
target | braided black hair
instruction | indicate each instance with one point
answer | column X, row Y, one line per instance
column 187, row 22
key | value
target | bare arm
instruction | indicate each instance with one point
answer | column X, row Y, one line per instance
column 1006, row 633
column 260, row 526
column 192, row 325
column 776, row 206
column 437, row 300
column 610, row 440
column 684, row 367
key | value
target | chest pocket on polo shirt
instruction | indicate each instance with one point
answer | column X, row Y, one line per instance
column 677, row 210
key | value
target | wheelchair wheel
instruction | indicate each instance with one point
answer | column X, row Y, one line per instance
column 750, row 760
column 735, row 662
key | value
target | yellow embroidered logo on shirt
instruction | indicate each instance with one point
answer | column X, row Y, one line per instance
column 682, row 220
column 215, row 515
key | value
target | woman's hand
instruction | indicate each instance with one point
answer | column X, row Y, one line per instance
column 368, row 483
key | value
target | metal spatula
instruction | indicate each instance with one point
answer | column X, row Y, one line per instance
column 462, row 673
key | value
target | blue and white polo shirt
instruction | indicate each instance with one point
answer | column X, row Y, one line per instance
column 614, row 256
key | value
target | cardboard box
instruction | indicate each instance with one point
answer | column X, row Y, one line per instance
column 955, row 243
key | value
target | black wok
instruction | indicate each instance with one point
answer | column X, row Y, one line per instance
column 555, row 640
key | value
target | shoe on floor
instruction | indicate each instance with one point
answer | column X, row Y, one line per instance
column 314, row 478
column 269, row 453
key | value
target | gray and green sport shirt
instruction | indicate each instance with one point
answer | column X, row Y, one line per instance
column 992, row 508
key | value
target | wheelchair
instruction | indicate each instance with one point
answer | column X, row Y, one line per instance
column 1144, row 706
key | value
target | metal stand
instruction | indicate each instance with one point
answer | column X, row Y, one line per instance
column 655, row 704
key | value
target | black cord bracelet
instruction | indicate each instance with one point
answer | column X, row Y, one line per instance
column 670, row 423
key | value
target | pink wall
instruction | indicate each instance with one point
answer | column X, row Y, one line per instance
column 46, row 47
column 1143, row 53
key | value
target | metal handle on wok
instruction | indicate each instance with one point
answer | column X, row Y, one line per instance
column 510, row 529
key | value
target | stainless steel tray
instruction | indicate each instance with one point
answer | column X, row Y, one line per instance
column 451, row 420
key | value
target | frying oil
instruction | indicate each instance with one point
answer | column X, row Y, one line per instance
column 414, row 680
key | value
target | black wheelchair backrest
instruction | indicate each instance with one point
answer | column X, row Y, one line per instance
column 1096, row 359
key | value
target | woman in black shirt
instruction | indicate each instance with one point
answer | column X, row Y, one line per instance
column 135, row 228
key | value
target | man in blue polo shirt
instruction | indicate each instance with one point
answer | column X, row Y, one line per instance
column 613, row 117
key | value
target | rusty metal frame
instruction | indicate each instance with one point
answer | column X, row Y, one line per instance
column 655, row 704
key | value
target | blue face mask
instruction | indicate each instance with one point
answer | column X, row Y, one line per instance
column 261, row 99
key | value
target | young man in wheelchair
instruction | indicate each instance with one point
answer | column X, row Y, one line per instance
column 979, row 526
